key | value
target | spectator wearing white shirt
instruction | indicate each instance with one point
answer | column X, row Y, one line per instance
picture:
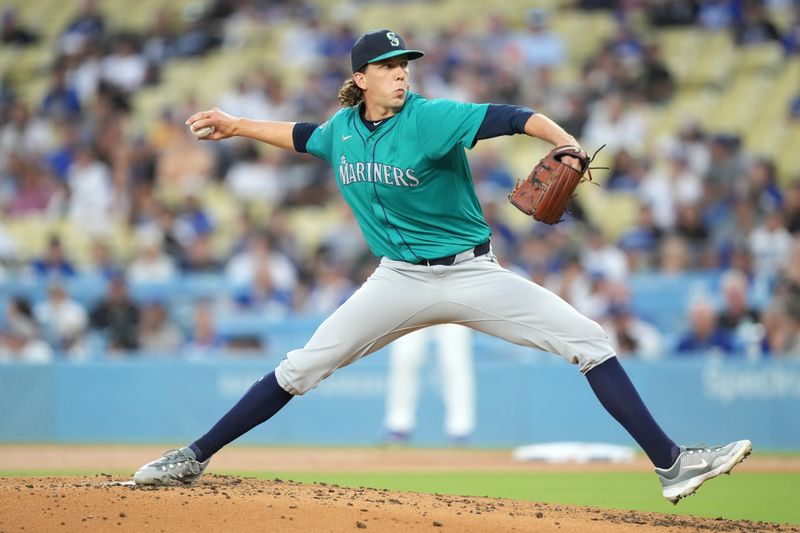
column 630, row 335
column 242, row 268
column 86, row 75
column 302, row 41
column 151, row 264
column 253, row 177
column 63, row 321
column 125, row 68
column 539, row 46
column 158, row 336
column 670, row 188
column 18, row 348
column 686, row 184
column 605, row 258
column 90, row 197
column 330, row 286
column 617, row 124
column 204, row 341
column 574, row 284
column 246, row 99
column 24, row 133
column 20, row 341
column 770, row 243
column 692, row 142
column 673, row 255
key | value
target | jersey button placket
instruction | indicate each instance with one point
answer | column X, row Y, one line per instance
column 377, row 203
column 369, row 146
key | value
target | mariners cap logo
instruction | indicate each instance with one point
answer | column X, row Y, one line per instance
column 378, row 45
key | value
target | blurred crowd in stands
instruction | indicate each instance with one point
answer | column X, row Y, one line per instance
column 705, row 203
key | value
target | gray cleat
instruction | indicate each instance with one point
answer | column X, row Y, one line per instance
column 176, row 466
column 697, row 464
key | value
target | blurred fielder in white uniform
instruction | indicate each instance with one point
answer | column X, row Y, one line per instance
column 456, row 376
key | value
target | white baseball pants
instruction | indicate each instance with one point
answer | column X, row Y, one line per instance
column 477, row 292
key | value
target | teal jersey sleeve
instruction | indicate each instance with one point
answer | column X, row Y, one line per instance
column 322, row 142
column 444, row 124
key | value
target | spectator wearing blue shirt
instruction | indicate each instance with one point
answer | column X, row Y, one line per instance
column 623, row 176
column 102, row 263
column 262, row 295
column 492, row 176
column 54, row 262
column 61, row 99
column 761, row 187
column 704, row 334
column 193, row 221
column 754, row 26
column 337, row 42
column 794, row 108
column 504, row 238
column 87, row 28
column 204, row 339
column 62, row 156
column 641, row 242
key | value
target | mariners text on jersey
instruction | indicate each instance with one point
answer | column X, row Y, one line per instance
column 376, row 172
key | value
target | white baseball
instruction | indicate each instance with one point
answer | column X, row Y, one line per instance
column 202, row 132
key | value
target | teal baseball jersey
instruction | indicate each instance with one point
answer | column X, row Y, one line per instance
column 408, row 182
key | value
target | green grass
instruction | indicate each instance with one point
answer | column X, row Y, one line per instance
column 769, row 497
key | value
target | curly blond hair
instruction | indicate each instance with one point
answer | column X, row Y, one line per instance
column 350, row 94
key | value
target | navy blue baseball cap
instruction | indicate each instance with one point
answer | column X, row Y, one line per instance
column 378, row 45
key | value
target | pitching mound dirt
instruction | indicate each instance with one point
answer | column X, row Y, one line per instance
column 223, row 503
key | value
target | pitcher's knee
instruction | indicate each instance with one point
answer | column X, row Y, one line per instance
column 586, row 362
column 294, row 380
column 593, row 348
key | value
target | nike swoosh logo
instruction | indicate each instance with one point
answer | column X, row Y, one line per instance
column 345, row 137
column 377, row 123
column 701, row 465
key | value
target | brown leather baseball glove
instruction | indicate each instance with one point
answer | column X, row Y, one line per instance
column 551, row 184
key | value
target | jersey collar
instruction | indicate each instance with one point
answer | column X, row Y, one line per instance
column 359, row 116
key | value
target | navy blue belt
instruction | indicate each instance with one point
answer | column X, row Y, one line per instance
column 481, row 249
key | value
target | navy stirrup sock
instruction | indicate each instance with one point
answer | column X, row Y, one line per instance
column 259, row 403
column 608, row 380
column 615, row 391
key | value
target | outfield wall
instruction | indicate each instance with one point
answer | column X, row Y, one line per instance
column 520, row 400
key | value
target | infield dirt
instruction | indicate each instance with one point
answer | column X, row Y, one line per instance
column 103, row 502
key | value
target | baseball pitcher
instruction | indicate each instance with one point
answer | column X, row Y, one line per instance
column 400, row 163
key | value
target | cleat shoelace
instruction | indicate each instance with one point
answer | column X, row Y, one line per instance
column 701, row 448
column 172, row 457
